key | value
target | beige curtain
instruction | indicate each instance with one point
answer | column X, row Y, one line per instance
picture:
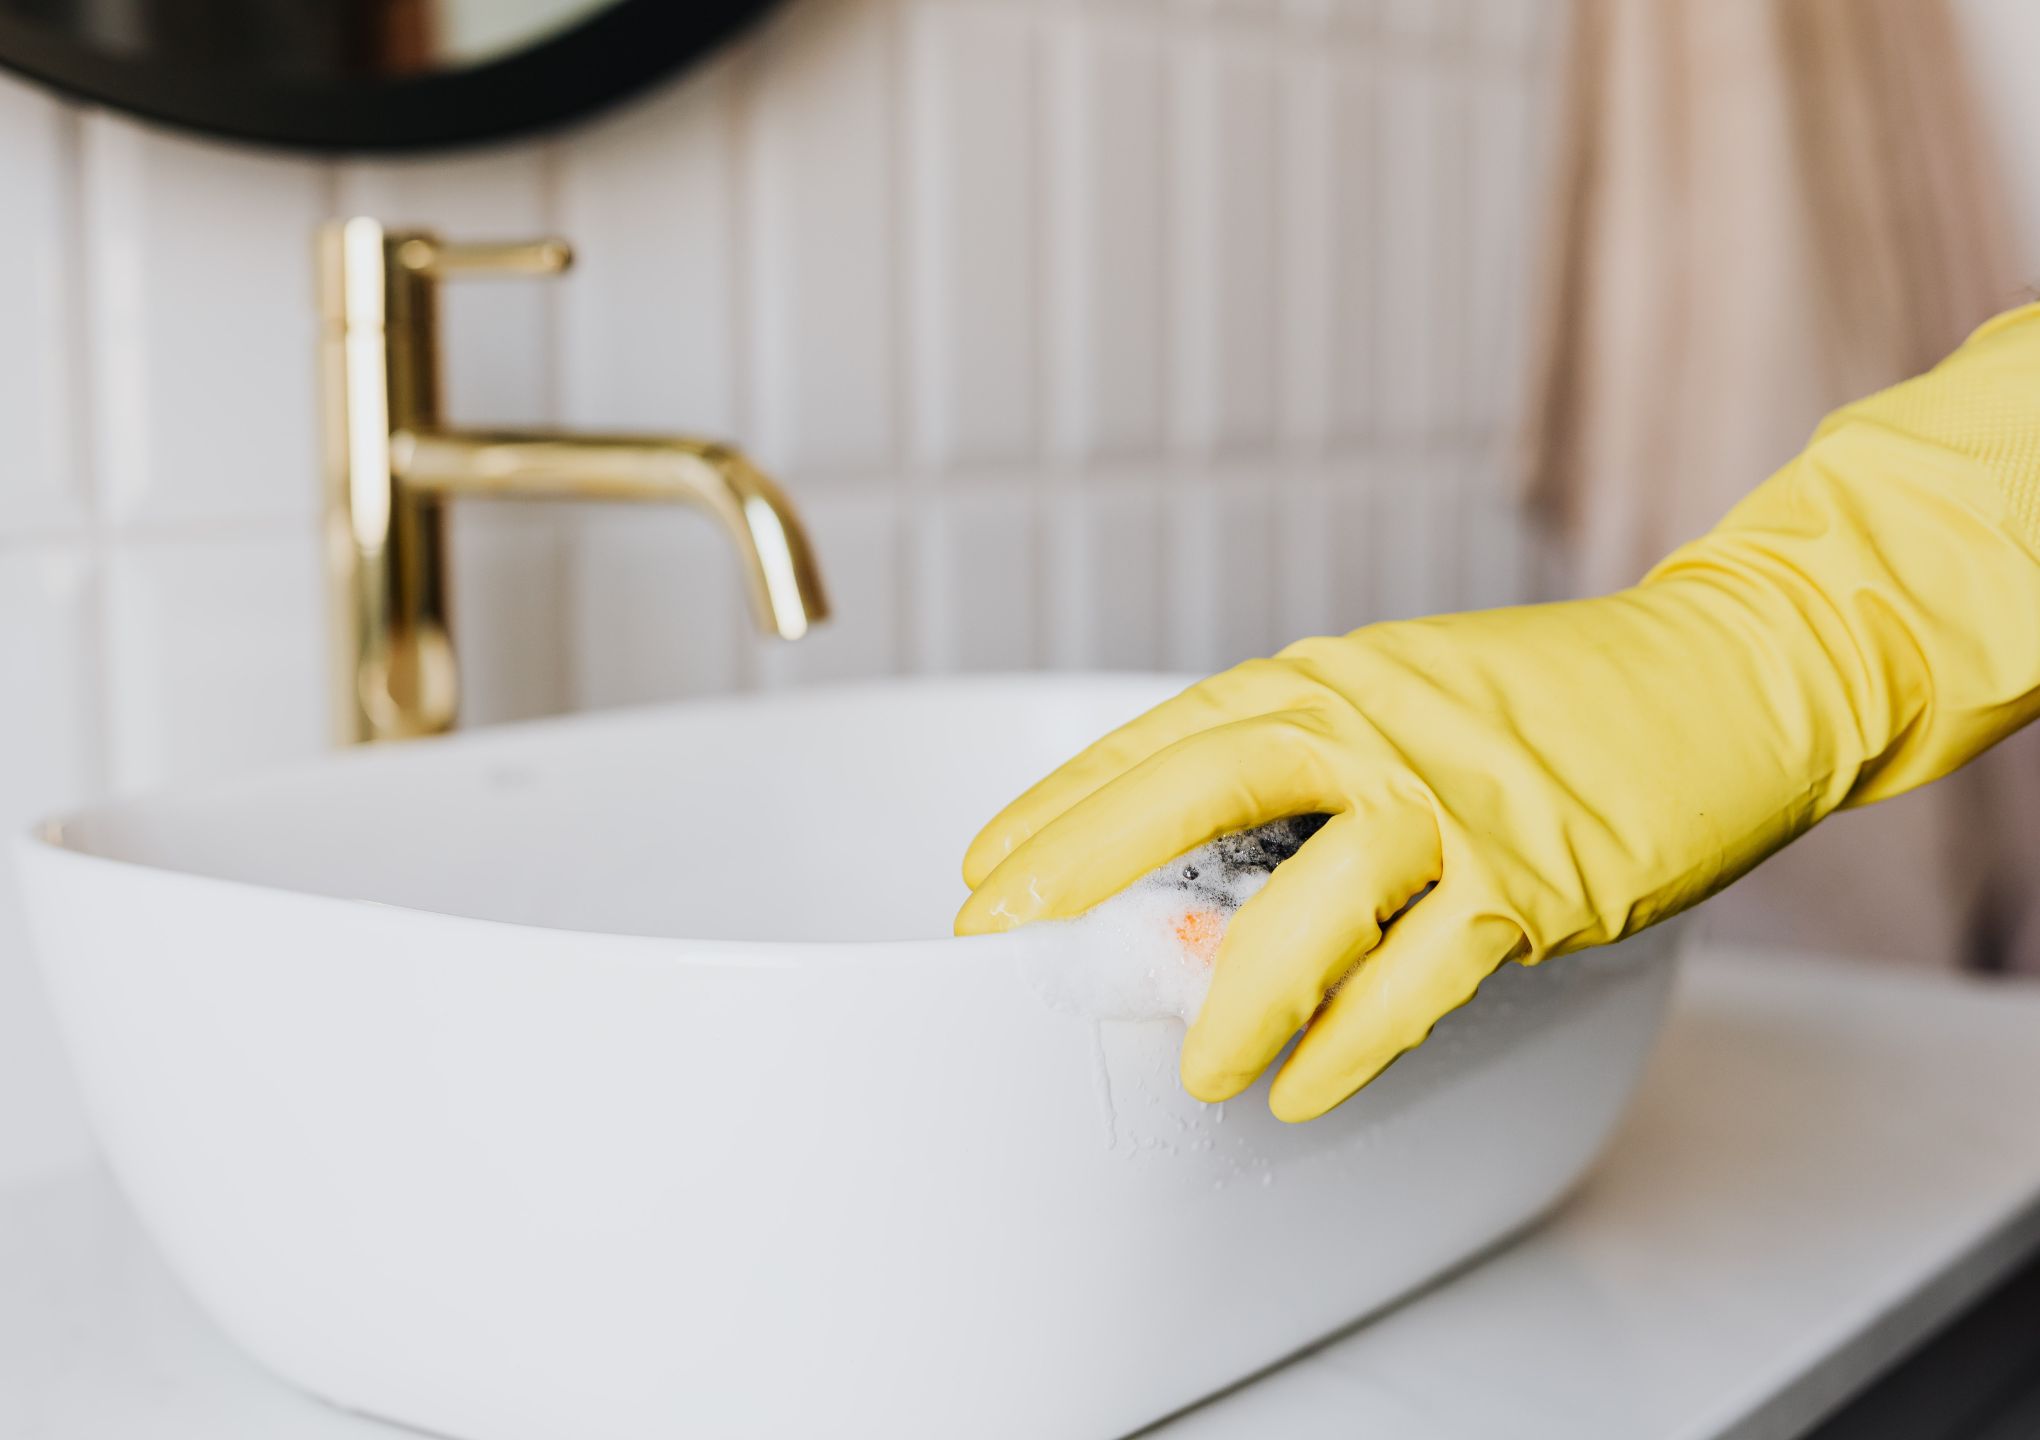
column 1767, row 208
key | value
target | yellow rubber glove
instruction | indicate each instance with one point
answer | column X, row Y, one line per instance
column 1567, row 774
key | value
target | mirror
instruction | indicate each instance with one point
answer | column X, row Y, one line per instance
column 361, row 74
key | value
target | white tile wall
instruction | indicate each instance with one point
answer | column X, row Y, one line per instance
column 1106, row 228
column 40, row 481
column 1105, row 597
column 973, row 589
column 212, row 654
column 970, row 134
column 198, row 299
column 1999, row 35
column 1306, row 598
column 1222, row 217
column 1414, row 280
column 1309, row 149
column 820, row 230
column 860, row 533
column 1085, row 332
column 657, row 608
column 1221, row 568
column 649, row 312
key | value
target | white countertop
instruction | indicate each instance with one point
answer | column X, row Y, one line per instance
column 1827, row 1161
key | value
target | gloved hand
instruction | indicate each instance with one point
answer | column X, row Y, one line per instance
column 1567, row 774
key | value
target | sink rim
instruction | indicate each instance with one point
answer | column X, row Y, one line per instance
column 499, row 1145
column 48, row 840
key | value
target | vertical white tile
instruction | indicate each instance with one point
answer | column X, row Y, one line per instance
column 49, row 733
column 512, row 608
column 49, row 743
column 201, row 326
column 1349, row 529
column 216, row 651
column 974, row 580
column 1351, row 284
column 647, row 315
column 1189, row 553
column 1414, row 261
column 972, row 196
column 1498, row 556
column 511, row 616
column 1249, row 619
column 1414, row 515
column 1351, row 581
column 509, row 598
column 1104, row 302
column 1221, row 572
column 1245, row 231
column 40, row 482
column 1500, row 246
column 658, row 607
column 858, row 547
column 1509, row 168
column 1304, row 598
column 1497, row 550
column 1509, row 29
column 1310, row 157
column 1225, row 202
column 1105, row 577
column 1418, row 20
column 818, row 220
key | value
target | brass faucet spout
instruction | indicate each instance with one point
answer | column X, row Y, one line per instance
column 393, row 463
column 785, row 585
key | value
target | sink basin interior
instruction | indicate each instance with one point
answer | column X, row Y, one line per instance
column 832, row 815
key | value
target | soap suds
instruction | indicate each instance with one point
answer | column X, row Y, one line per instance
column 1147, row 952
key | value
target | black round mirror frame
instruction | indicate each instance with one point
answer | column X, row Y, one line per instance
column 614, row 53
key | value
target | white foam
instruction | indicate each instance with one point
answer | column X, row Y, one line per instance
column 1147, row 952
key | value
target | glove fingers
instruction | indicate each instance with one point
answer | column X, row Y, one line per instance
column 1430, row 963
column 1237, row 694
column 1216, row 781
column 1321, row 910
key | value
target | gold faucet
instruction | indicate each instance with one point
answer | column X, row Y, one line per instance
column 391, row 464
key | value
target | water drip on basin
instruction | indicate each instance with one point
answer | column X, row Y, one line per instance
column 1101, row 1082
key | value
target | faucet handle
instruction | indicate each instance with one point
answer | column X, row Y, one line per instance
column 445, row 260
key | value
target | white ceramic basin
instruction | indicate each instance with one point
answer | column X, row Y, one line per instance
column 616, row 1078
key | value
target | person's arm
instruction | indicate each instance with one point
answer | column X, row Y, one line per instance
column 1867, row 620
